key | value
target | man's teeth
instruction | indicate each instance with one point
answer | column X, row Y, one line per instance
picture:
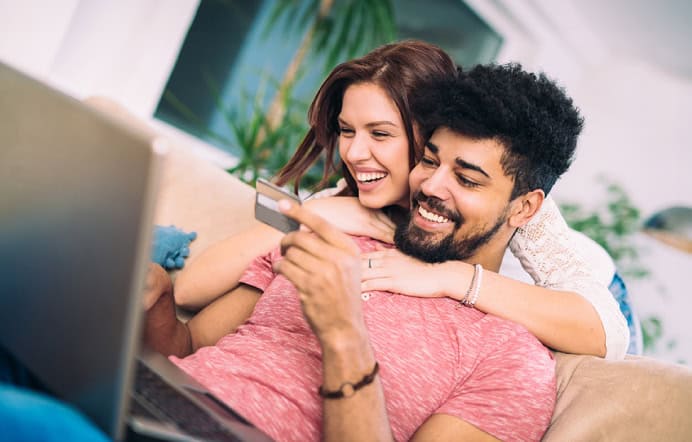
column 432, row 216
column 371, row 176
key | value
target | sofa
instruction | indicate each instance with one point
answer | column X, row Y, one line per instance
column 638, row 398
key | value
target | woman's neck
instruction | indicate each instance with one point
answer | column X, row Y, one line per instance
column 396, row 213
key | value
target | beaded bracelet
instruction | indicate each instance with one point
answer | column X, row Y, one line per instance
column 477, row 289
column 472, row 293
column 348, row 389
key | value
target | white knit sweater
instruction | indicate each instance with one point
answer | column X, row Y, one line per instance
column 559, row 258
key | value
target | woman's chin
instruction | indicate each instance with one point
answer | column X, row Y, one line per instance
column 379, row 200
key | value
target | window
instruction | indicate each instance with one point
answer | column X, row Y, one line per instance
column 236, row 53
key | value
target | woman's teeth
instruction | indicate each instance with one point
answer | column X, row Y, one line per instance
column 432, row 216
column 368, row 177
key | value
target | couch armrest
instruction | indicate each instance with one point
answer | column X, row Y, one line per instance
column 196, row 195
column 638, row 398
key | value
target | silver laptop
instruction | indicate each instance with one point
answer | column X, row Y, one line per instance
column 77, row 191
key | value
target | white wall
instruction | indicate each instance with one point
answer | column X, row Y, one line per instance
column 119, row 48
column 636, row 134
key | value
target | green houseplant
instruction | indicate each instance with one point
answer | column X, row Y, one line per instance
column 264, row 136
column 613, row 225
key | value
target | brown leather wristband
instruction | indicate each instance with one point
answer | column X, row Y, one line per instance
column 348, row 389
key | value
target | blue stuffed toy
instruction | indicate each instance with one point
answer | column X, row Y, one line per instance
column 171, row 246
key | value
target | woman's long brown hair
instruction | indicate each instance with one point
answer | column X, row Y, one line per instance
column 399, row 69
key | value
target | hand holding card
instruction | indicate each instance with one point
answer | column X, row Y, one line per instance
column 266, row 206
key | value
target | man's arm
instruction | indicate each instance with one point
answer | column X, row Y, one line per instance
column 443, row 427
column 166, row 334
column 223, row 316
column 325, row 268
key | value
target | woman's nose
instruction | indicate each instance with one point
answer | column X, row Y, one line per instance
column 358, row 149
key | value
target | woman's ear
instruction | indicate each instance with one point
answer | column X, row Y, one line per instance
column 525, row 207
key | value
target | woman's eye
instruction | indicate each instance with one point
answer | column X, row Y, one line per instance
column 345, row 131
column 379, row 134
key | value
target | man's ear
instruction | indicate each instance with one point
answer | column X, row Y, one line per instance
column 525, row 207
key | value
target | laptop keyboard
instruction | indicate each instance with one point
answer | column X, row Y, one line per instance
column 177, row 407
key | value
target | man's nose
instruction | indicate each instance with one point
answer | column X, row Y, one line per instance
column 436, row 185
column 359, row 149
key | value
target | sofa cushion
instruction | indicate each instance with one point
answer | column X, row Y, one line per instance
column 636, row 399
column 198, row 196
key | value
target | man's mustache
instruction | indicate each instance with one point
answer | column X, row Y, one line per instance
column 438, row 206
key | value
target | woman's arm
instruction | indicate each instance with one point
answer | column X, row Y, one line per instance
column 218, row 269
column 552, row 254
column 570, row 309
column 348, row 215
column 561, row 320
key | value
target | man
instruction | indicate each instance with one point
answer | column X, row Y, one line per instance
column 389, row 366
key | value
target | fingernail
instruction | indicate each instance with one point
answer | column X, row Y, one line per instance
column 284, row 205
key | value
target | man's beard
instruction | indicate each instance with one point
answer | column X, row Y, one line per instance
column 416, row 242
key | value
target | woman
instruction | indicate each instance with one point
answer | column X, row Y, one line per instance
column 363, row 108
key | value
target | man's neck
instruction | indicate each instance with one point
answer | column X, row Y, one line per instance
column 491, row 254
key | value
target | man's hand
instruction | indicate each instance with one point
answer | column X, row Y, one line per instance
column 157, row 284
column 324, row 265
column 162, row 330
column 325, row 268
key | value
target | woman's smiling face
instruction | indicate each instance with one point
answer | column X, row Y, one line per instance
column 373, row 145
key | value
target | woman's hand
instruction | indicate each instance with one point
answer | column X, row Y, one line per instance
column 348, row 215
column 392, row 271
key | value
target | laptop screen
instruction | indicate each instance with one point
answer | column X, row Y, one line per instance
column 76, row 196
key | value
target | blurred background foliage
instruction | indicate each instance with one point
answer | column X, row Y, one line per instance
column 264, row 137
column 613, row 224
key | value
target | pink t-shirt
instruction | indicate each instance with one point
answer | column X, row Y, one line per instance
column 435, row 356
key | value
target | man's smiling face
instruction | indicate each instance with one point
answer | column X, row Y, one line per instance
column 460, row 200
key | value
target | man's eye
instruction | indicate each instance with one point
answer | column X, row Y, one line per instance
column 466, row 182
column 427, row 161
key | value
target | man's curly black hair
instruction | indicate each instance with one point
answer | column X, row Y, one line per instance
column 530, row 115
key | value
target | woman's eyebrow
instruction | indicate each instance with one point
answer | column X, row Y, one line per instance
column 380, row 123
column 370, row 124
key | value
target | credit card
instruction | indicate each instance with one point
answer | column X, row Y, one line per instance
column 267, row 206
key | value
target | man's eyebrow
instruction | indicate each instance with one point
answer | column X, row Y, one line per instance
column 466, row 165
column 461, row 163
